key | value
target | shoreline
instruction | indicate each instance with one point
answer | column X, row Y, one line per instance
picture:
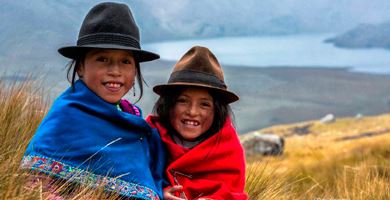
column 279, row 95
column 268, row 95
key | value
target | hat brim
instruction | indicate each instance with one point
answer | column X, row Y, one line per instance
column 74, row 52
column 228, row 97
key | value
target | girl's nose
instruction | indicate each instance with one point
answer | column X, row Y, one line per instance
column 192, row 110
column 114, row 68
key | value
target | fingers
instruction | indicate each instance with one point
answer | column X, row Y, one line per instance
column 169, row 193
column 175, row 188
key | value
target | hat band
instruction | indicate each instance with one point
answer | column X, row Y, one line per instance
column 189, row 76
column 108, row 38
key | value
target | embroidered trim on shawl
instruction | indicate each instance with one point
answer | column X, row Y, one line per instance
column 61, row 170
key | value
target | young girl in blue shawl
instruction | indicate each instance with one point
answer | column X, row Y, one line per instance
column 91, row 136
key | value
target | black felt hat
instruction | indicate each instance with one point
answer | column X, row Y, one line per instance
column 109, row 26
column 200, row 68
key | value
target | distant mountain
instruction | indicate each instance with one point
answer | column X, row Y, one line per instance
column 169, row 20
column 364, row 36
column 32, row 31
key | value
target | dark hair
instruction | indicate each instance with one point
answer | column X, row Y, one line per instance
column 168, row 99
column 73, row 66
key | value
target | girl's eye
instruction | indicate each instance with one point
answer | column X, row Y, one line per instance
column 102, row 59
column 206, row 104
column 127, row 61
column 181, row 100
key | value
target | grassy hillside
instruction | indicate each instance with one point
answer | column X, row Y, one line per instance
column 347, row 159
column 21, row 110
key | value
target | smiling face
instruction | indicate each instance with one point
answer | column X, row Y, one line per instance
column 193, row 113
column 109, row 73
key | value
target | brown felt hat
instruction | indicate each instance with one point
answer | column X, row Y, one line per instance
column 109, row 26
column 200, row 68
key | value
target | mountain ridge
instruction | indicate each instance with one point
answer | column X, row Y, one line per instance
column 364, row 36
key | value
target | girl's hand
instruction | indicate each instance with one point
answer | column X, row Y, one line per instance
column 169, row 193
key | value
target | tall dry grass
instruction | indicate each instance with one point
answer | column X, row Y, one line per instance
column 21, row 109
column 320, row 166
column 313, row 167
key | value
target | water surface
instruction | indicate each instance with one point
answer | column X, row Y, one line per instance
column 294, row 50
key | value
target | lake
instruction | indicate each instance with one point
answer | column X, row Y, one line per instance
column 306, row 50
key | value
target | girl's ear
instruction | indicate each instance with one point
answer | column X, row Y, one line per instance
column 80, row 70
column 137, row 68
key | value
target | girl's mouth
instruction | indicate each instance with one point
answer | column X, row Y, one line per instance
column 190, row 122
column 113, row 86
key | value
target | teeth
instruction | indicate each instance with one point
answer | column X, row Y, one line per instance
column 193, row 123
column 113, row 85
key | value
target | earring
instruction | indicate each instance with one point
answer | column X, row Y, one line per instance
column 133, row 91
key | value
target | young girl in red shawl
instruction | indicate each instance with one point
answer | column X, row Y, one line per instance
column 206, row 159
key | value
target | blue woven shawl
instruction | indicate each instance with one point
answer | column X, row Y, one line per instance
column 87, row 140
